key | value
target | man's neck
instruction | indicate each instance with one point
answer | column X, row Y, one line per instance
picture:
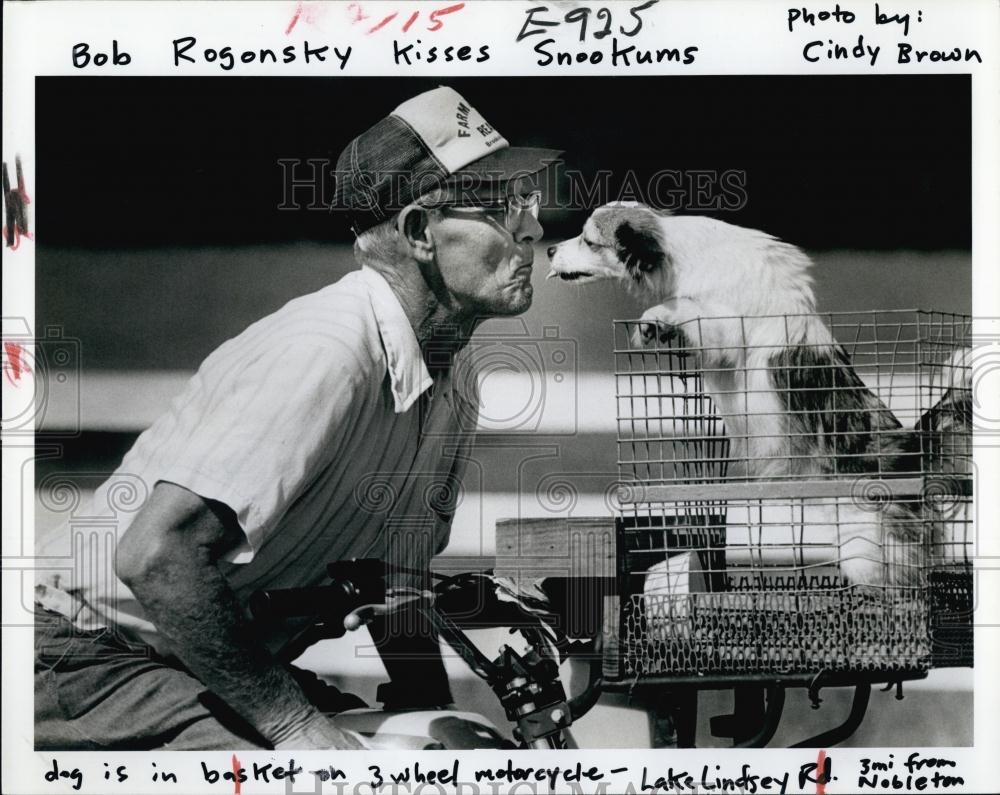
column 441, row 331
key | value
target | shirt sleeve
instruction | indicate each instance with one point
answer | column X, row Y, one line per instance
column 256, row 436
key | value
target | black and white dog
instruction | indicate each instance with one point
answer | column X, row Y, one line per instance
column 792, row 404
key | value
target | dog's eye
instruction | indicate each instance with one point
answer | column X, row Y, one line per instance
column 591, row 244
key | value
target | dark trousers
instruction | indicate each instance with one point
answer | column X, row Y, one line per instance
column 94, row 691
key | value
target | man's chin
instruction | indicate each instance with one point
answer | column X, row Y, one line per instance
column 520, row 301
column 515, row 300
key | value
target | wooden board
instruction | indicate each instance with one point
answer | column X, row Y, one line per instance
column 573, row 548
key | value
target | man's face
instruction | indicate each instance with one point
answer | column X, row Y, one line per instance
column 485, row 267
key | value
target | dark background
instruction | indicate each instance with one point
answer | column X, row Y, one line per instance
column 831, row 162
column 159, row 234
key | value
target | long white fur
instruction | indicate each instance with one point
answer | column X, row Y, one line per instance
column 723, row 286
column 740, row 277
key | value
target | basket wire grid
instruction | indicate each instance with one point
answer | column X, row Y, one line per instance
column 794, row 507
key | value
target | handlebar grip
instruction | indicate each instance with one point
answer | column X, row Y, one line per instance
column 355, row 583
column 322, row 600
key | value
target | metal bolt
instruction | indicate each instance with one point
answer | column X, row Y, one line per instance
column 557, row 715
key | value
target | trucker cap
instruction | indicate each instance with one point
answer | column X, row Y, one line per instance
column 433, row 140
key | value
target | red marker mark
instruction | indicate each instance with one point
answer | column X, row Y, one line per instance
column 356, row 13
column 295, row 17
column 438, row 24
column 308, row 13
column 383, row 23
column 15, row 202
column 821, row 781
column 236, row 775
column 15, row 365
column 18, row 234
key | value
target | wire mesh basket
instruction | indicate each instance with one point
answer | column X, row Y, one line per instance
column 797, row 495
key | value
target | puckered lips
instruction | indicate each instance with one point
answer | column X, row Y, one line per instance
column 568, row 276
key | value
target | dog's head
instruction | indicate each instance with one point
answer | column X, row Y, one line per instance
column 619, row 241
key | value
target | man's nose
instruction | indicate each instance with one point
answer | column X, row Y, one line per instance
column 551, row 251
column 529, row 229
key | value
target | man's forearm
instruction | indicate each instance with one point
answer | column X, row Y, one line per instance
column 192, row 604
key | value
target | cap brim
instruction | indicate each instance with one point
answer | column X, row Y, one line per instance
column 511, row 162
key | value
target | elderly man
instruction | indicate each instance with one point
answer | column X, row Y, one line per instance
column 329, row 430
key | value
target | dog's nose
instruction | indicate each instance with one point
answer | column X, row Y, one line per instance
column 551, row 251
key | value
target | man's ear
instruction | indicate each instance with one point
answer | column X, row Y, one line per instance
column 412, row 226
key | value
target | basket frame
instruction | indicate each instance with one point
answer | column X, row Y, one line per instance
column 663, row 495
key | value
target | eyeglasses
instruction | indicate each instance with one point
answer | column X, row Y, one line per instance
column 514, row 207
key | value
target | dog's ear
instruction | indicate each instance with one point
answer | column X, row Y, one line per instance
column 640, row 245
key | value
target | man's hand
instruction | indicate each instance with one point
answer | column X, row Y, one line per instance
column 321, row 734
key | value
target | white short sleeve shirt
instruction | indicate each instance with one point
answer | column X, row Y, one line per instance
column 323, row 430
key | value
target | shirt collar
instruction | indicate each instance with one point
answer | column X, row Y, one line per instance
column 408, row 374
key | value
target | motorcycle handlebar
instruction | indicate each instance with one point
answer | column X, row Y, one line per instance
column 464, row 601
column 333, row 601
